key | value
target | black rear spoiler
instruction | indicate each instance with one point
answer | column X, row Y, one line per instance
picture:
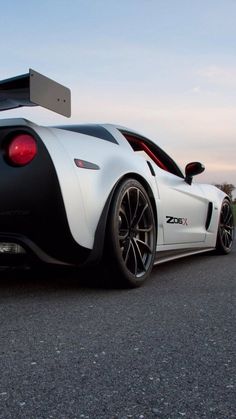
column 33, row 89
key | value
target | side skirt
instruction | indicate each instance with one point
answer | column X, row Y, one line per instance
column 166, row 256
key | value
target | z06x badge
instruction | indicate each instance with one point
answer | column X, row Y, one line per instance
column 175, row 220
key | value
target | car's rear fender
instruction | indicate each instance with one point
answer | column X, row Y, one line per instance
column 85, row 192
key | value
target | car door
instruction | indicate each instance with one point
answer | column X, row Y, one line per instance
column 184, row 209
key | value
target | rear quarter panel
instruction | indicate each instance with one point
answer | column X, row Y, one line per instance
column 85, row 191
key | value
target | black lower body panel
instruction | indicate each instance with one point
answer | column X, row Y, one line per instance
column 32, row 211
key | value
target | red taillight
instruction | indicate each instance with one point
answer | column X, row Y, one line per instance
column 22, row 149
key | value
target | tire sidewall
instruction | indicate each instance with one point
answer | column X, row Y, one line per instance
column 220, row 247
column 118, row 265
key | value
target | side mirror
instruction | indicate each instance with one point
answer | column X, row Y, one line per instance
column 193, row 169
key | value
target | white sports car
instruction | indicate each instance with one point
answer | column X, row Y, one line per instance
column 79, row 194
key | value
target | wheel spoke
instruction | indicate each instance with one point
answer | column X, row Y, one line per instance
column 129, row 215
column 227, row 240
column 136, row 206
column 127, row 250
column 138, row 255
column 123, row 234
column 225, row 213
column 144, row 230
column 229, row 227
column 144, row 245
column 135, row 259
column 229, row 221
column 226, row 216
column 123, row 216
column 141, row 215
column 123, row 225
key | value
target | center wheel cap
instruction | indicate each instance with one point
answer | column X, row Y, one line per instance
column 132, row 233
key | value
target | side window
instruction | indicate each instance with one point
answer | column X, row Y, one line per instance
column 153, row 152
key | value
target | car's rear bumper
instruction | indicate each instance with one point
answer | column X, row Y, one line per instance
column 32, row 211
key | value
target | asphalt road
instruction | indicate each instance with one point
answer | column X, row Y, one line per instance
column 69, row 349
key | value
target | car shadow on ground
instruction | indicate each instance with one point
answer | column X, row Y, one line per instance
column 50, row 278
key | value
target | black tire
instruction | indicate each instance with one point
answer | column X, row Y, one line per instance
column 225, row 235
column 131, row 235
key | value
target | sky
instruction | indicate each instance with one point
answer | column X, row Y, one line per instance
column 166, row 68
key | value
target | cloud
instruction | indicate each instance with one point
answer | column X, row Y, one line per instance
column 225, row 76
column 196, row 89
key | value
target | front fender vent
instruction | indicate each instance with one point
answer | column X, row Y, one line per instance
column 209, row 215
